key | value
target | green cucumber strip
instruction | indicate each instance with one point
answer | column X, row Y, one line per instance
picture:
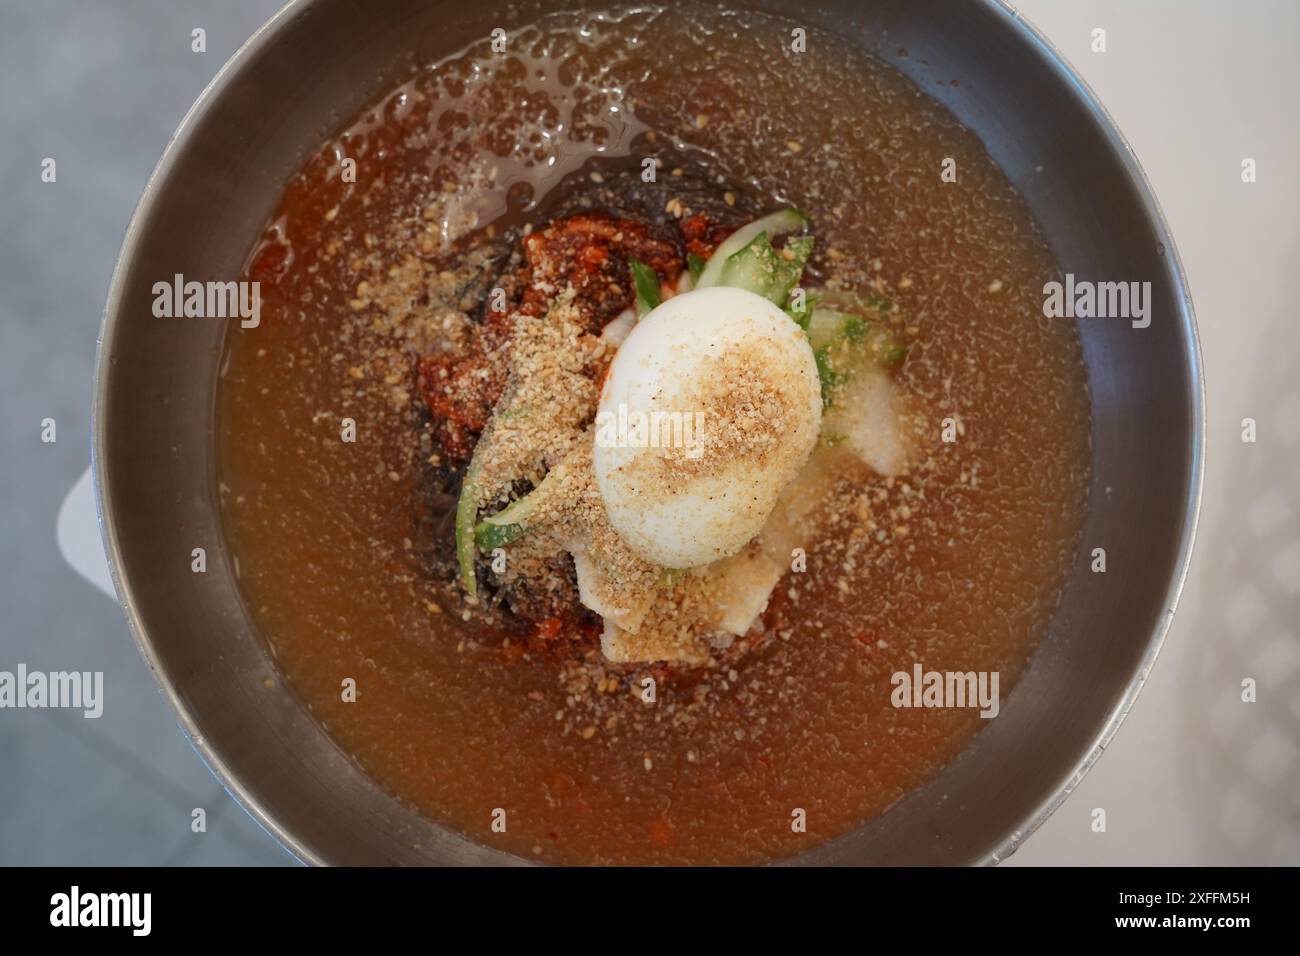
column 489, row 537
column 520, row 510
column 777, row 224
column 695, row 265
column 513, row 521
column 761, row 269
column 466, row 513
column 646, row 282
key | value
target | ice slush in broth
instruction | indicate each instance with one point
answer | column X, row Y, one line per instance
column 628, row 408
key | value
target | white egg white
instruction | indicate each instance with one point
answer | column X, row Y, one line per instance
column 662, row 367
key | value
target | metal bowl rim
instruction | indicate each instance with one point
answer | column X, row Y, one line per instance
column 266, row 35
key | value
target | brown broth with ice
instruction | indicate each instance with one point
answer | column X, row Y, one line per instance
column 957, row 564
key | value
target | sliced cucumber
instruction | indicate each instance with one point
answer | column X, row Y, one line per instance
column 777, row 224
column 517, row 518
column 842, row 341
column 760, row 269
column 467, row 513
column 489, row 537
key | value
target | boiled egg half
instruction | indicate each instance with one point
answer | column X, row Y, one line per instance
column 710, row 407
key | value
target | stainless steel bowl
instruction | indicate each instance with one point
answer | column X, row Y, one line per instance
column 319, row 61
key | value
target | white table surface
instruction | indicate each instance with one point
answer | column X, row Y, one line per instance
column 1194, row 775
